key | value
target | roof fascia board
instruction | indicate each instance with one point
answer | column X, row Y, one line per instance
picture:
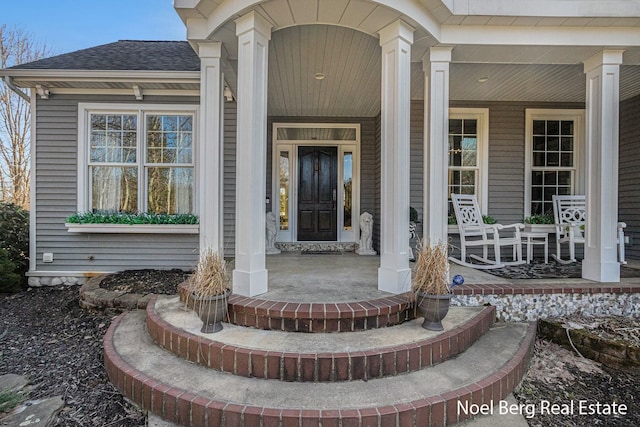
column 101, row 75
column 231, row 9
column 540, row 36
column 545, row 8
column 418, row 14
column 227, row 10
column 147, row 92
column 197, row 29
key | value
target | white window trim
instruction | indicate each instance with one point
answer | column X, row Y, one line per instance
column 141, row 110
column 482, row 117
column 291, row 146
column 578, row 116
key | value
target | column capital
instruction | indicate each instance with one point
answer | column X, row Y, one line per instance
column 397, row 29
column 436, row 54
column 604, row 57
column 209, row 49
column 253, row 21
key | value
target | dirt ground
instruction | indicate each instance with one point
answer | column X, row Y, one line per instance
column 45, row 336
column 559, row 376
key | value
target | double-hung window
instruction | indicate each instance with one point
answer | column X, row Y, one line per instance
column 468, row 141
column 136, row 159
column 553, row 141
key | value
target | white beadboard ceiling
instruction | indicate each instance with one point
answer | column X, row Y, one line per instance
column 350, row 61
column 339, row 38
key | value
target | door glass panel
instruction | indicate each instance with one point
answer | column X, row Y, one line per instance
column 319, row 134
column 284, row 190
column 348, row 189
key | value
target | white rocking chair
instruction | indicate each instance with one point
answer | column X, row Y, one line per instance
column 569, row 214
column 474, row 232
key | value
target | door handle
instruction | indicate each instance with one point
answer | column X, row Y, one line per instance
column 335, row 195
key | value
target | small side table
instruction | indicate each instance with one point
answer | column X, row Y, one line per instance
column 531, row 238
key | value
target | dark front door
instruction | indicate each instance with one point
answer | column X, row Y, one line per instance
column 317, row 193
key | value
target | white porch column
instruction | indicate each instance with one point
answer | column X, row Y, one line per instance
column 250, row 275
column 394, row 274
column 602, row 121
column 210, row 147
column 435, row 65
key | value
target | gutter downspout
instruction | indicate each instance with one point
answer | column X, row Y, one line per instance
column 9, row 81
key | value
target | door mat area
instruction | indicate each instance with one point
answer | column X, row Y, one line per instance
column 311, row 252
column 553, row 270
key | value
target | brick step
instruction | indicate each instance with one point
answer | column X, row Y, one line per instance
column 292, row 356
column 192, row 395
column 316, row 317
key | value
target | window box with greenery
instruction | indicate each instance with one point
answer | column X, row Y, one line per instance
column 542, row 223
column 118, row 222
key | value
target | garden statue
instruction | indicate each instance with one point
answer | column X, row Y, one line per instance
column 271, row 230
column 366, row 233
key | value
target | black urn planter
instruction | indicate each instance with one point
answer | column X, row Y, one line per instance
column 211, row 310
column 433, row 308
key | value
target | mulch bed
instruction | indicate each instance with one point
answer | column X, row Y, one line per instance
column 47, row 337
column 145, row 281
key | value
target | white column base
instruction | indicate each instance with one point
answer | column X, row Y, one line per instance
column 601, row 271
column 250, row 284
column 394, row 281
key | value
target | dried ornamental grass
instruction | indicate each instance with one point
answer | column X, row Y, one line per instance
column 210, row 277
column 431, row 275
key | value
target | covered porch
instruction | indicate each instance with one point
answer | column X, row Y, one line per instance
column 330, row 293
column 279, row 63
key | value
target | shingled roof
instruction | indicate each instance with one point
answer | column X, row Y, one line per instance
column 124, row 55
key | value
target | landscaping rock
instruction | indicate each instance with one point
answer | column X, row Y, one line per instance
column 12, row 382
column 35, row 413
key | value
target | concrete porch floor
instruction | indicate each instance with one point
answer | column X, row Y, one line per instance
column 294, row 277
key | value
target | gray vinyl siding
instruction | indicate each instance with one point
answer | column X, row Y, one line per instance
column 56, row 198
column 229, row 168
column 378, row 183
column 629, row 173
column 416, row 162
column 506, row 155
column 369, row 159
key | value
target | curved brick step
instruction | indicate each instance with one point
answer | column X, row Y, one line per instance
column 316, row 317
column 291, row 356
column 192, row 395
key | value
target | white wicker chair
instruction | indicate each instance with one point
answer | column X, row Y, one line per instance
column 474, row 232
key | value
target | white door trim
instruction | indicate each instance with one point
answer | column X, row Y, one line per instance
column 291, row 146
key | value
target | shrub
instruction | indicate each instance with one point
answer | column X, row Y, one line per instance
column 14, row 240
column 10, row 281
column 413, row 214
column 540, row 219
column 130, row 218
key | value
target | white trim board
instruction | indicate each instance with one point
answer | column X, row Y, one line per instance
column 353, row 146
column 140, row 109
column 578, row 116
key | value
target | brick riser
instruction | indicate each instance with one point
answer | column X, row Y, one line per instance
column 315, row 317
column 187, row 409
column 317, row 367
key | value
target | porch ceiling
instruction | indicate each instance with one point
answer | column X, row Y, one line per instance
column 350, row 61
column 342, row 43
